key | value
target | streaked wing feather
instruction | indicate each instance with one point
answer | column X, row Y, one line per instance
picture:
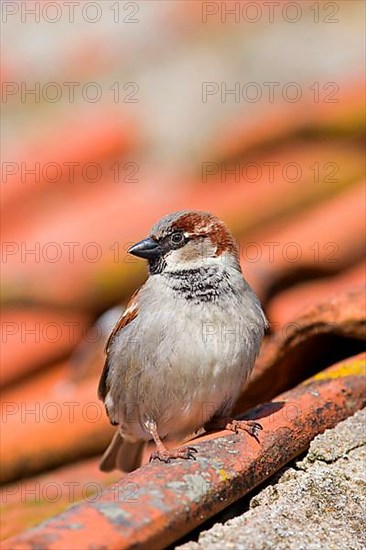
column 129, row 314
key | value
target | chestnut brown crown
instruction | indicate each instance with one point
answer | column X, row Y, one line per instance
column 186, row 237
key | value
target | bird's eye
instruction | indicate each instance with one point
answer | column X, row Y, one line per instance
column 177, row 238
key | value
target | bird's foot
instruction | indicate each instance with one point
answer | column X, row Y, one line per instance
column 166, row 455
column 253, row 428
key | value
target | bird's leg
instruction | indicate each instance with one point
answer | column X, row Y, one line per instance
column 164, row 454
column 226, row 423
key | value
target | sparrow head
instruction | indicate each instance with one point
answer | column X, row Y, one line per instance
column 187, row 240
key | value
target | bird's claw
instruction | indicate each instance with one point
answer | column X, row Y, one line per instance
column 253, row 428
column 166, row 455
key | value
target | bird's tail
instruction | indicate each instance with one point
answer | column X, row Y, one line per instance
column 122, row 454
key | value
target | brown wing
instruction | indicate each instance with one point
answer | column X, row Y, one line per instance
column 129, row 314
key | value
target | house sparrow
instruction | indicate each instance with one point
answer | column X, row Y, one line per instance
column 184, row 347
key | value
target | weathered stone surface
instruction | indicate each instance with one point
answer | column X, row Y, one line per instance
column 316, row 503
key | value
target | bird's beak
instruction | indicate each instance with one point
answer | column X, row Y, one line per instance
column 147, row 248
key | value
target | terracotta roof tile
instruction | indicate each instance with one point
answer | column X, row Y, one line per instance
column 290, row 303
column 57, row 424
column 29, row 501
column 35, row 337
column 157, row 504
column 324, row 239
column 328, row 331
